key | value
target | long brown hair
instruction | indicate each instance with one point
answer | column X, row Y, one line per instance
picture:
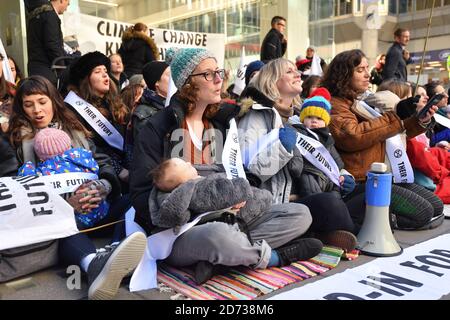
column 61, row 114
column 118, row 111
column 189, row 93
column 339, row 74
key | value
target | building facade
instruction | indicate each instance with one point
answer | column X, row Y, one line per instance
column 331, row 26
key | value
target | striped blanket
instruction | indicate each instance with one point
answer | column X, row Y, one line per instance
column 243, row 283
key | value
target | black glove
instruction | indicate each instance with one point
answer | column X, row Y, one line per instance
column 407, row 107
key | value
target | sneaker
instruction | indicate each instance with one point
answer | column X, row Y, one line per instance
column 112, row 264
column 205, row 270
column 299, row 250
column 339, row 238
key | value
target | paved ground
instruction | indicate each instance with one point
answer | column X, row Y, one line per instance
column 51, row 284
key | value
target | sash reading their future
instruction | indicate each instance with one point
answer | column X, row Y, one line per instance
column 395, row 150
column 96, row 120
column 231, row 155
column 318, row 156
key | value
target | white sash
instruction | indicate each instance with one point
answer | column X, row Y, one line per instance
column 231, row 155
column 67, row 182
column 159, row 246
column 318, row 155
column 96, row 120
column 395, row 150
column 442, row 120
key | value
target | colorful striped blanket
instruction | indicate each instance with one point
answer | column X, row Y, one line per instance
column 243, row 283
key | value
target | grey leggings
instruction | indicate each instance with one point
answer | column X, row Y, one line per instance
column 221, row 243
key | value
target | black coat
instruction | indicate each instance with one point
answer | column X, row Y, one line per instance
column 136, row 50
column 395, row 66
column 149, row 105
column 8, row 160
column 153, row 144
column 272, row 46
column 44, row 41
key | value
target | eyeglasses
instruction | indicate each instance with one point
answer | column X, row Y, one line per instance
column 211, row 75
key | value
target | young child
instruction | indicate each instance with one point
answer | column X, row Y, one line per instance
column 315, row 117
column 54, row 149
column 181, row 194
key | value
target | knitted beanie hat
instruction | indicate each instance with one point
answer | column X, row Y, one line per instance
column 152, row 72
column 317, row 105
column 183, row 61
column 83, row 66
column 252, row 67
column 51, row 142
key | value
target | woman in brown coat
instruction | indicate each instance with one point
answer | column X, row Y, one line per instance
column 361, row 140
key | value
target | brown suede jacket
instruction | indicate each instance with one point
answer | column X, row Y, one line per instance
column 360, row 139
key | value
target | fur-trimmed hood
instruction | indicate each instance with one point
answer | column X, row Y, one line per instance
column 253, row 96
column 129, row 43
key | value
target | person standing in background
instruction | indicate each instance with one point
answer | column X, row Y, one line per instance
column 275, row 43
column 397, row 57
column 45, row 38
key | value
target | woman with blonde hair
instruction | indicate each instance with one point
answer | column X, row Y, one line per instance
column 137, row 49
column 272, row 94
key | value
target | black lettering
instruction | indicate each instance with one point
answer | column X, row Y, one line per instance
column 338, row 295
column 41, row 212
column 151, row 33
column 108, row 48
column 182, row 40
column 121, row 30
column 204, row 40
column 190, row 38
column 393, row 281
column 42, row 194
column 108, row 33
column 164, row 36
column 427, row 260
column 99, row 26
column 173, row 37
column 7, row 207
column 424, row 268
column 445, row 253
column 28, row 186
column 4, row 196
column 25, row 179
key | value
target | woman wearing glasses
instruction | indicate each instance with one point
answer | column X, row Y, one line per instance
column 193, row 128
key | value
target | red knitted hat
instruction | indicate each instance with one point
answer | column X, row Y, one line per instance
column 51, row 142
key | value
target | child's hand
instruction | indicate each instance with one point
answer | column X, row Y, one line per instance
column 238, row 206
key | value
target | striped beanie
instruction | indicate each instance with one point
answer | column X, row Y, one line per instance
column 183, row 61
column 317, row 105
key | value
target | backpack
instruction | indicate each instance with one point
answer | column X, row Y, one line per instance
column 17, row 262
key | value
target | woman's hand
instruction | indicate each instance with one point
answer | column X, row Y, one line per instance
column 427, row 118
column 88, row 196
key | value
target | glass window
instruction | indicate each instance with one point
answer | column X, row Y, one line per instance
column 426, row 4
column 345, row 7
column 393, row 7
column 404, row 6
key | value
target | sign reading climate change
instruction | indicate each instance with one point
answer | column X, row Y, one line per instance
column 32, row 212
column 105, row 35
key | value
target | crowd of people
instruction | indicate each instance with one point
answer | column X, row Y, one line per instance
column 166, row 161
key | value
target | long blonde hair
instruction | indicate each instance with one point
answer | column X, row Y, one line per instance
column 266, row 80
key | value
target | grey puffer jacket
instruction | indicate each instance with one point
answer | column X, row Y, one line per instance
column 211, row 193
column 271, row 163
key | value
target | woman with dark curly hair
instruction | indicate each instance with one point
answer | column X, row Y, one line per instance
column 360, row 138
column 193, row 128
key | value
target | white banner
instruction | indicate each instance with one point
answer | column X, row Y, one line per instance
column 94, row 33
column 421, row 272
column 318, row 156
column 67, row 182
column 239, row 83
column 231, row 155
column 96, row 120
column 31, row 212
column 6, row 68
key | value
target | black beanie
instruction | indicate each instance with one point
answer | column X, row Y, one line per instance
column 152, row 72
column 83, row 66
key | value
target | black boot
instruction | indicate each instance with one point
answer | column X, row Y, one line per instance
column 299, row 249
